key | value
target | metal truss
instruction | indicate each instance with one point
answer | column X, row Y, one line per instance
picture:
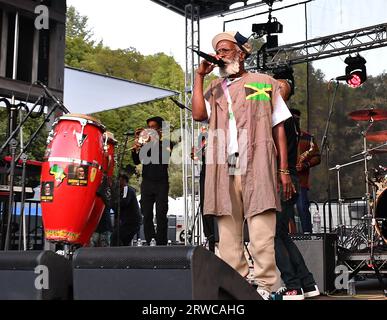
column 320, row 48
column 190, row 181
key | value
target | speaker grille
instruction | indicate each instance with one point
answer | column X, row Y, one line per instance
column 161, row 257
column 26, row 261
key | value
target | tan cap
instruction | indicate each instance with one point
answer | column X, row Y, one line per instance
column 233, row 36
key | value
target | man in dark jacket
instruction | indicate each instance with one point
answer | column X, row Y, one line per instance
column 153, row 153
column 129, row 217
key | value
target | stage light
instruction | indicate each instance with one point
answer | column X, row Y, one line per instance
column 355, row 71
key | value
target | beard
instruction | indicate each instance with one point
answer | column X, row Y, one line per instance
column 232, row 67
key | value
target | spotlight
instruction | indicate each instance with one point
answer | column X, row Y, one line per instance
column 355, row 71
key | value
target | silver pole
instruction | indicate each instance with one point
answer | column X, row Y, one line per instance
column 340, row 202
column 183, row 154
column 368, row 196
column 192, row 71
column 15, row 61
column 187, row 225
column 14, row 77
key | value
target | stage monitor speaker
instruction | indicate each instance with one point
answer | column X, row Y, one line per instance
column 156, row 273
column 34, row 275
column 319, row 252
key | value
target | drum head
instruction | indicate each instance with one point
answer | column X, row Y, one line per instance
column 82, row 117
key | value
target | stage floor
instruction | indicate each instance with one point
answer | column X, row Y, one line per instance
column 366, row 289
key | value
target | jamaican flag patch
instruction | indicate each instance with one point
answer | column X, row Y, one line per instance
column 258, row 91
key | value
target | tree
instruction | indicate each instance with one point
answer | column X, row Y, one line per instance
column 76, row 26
column 78, row 38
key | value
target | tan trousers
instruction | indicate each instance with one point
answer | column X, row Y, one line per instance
column 261, row 234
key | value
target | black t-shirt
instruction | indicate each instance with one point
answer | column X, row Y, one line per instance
column 154, row 168
column 292, row 136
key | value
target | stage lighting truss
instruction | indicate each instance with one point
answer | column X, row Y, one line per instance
column 319, row 48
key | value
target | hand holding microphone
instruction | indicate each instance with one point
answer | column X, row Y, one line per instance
column 210, row 58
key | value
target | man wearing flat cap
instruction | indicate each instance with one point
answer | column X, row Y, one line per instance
column 246, row 155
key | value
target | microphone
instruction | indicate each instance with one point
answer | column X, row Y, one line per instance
column 180, row 105
column 54, row 98
column 210, row 58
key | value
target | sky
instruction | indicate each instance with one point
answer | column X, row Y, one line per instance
column 151, row 28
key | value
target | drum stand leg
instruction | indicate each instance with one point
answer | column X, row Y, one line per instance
column 379, row 276
column 371, row 262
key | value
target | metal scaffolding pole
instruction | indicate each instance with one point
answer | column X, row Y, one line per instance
column 192, row 41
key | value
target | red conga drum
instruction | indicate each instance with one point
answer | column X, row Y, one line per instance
column 71, row 175
column 99, row 206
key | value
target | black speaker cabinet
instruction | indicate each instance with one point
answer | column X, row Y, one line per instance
column 34, row 275
column 319, row 252
column 156, row 273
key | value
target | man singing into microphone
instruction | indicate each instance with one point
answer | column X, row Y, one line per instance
column 246, row 154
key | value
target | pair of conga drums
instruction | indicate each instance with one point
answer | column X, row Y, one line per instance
column 79, row 154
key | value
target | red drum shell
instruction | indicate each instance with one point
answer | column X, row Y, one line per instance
column 66, row 212
column 99, row 205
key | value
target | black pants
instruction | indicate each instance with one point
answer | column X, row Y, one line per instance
column 155, row 192
column 208, row 220
column 289, row 260
column 127, row 232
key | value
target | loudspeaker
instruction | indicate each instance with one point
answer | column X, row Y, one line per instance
column 156, row 273
column 319, row 252
column 172, row 228
column 34, row 275
column 41, row 49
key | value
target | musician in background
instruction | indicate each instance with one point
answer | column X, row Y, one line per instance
column 208, row 220
column 130, row 217
column 102, row 235
column 154, row 153
column 308, row 157
column 299, row 281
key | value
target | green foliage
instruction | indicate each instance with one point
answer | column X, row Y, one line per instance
column 176, row 181
column 78, row 38
column 76, row 25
